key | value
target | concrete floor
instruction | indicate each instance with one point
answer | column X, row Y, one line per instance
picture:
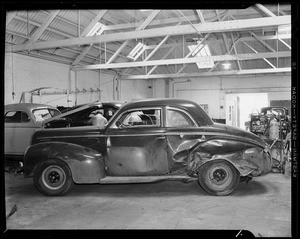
column 263, row 206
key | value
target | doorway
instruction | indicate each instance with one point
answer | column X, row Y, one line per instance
column 240, row 106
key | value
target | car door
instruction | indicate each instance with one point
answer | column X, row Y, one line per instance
column 18, row 130
column 183, row 133
column 136, row 144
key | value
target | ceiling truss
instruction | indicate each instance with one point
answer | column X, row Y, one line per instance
column 228, row 33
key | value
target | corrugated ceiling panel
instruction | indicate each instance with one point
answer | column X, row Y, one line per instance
column 19, row 26
column 51, row 36
column 64, row 27
column 38, row 16
column 61, row 52
column 14, row 39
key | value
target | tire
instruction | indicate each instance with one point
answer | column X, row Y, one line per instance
column 53, row 177
column 218, row 178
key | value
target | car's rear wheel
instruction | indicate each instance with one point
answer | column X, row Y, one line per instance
column 218, row 177
column 53, row 177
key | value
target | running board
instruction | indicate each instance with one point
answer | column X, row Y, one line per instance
column 144, row 179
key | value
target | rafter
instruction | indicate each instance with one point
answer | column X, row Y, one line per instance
column 142, row 26
column 178, row 30
column 188, row 60
column 265, row 10
column 86, row 49
column 199, row 12
column 96, row 19
column 280, row 39
column 213, row 41
column 261, row 41
column 164, row 57
column 257, row 52
column 201, row 42
column 216, row 73
column 209, row 17
column 10, row 16
column 37, row 34
column 235, row 51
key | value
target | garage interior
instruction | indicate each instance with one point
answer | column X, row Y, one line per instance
column 232, row 62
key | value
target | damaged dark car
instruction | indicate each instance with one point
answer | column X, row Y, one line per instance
column 147, row 141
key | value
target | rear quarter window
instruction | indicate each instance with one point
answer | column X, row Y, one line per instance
column 16, row 117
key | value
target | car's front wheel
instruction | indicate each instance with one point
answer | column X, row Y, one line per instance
column 53, row 177
column 218, row 177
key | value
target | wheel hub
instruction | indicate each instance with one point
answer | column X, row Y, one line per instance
column 54, row 177
column 219, row 175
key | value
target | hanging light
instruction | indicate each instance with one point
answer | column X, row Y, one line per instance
column 226, row 65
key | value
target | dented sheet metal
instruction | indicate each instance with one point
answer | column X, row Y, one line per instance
column 194, row 152
column 123, row 150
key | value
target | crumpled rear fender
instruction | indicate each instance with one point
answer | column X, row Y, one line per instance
column 86, row 165
column 245, row 157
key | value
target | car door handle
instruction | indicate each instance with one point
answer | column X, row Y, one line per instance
column 161, row 137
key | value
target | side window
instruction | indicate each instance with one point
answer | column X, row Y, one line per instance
column 176, row 118
column 43, row 114
column 139, row 118
column 109, row 112
column 54, row 112
column 16, row 117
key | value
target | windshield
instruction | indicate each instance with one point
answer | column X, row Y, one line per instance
column 43, row 114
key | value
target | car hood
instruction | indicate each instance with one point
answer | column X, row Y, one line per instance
column 238, row 133
column 71, row 112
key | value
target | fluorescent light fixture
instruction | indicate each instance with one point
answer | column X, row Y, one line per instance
column 201, row 50
column 97, row 29
column 137, row 51
column 145, row 10
column 226, row 65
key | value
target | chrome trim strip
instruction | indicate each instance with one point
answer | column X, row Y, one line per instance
column 153, row 134
column 134, row 135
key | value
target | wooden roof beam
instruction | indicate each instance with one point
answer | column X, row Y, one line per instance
column 206, row 27
column 265, row 10
column 37, row 34
column 202, row 74
column 188, row 60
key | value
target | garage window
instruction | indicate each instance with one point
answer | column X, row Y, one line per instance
column 16, row 117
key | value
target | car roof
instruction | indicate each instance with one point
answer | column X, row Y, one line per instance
column 111, row 103
column 272, row 107
column 27, row 106
column 191, row 106
column 159, row 102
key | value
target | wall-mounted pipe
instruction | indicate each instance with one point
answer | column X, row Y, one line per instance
column 115, row 88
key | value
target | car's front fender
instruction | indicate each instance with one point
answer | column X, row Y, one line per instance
column 87, row 165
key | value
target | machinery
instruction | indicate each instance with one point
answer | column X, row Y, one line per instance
column 273, row 125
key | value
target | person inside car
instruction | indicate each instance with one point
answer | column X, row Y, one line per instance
column 97, row 119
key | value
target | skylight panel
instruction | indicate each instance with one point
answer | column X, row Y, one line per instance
column 202, row 51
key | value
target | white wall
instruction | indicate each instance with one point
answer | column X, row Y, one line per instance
column 213, row 90
column 135, row 89
column 24, row 73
